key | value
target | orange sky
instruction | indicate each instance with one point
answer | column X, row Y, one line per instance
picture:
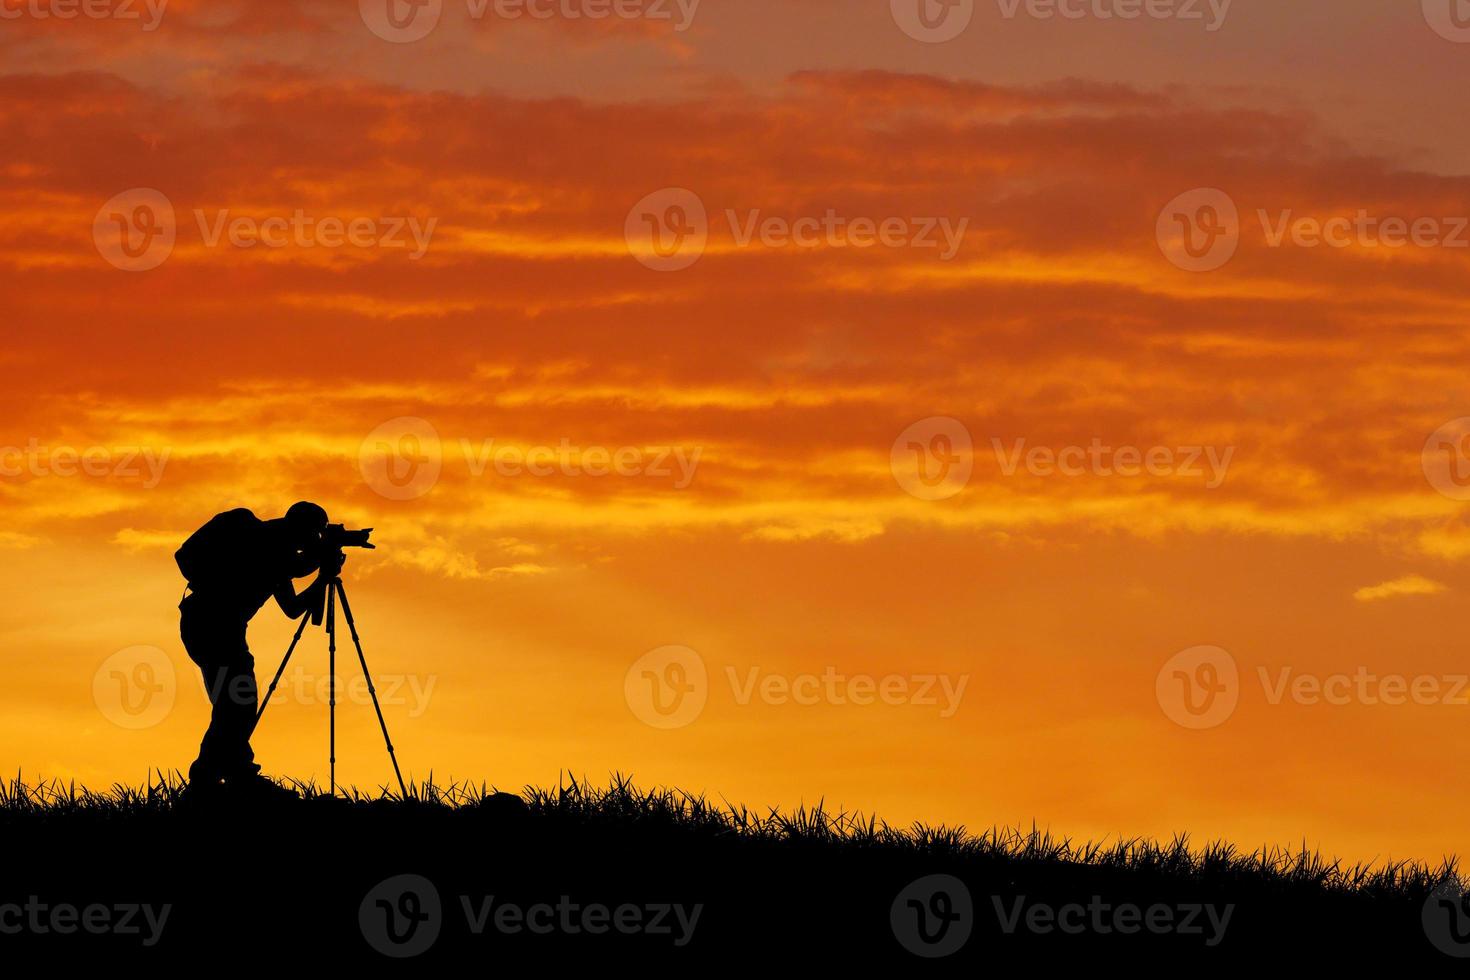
column 756, row 411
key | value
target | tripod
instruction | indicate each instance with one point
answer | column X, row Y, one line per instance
column 335, row 594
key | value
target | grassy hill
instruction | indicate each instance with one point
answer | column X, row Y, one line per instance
column 602, row 875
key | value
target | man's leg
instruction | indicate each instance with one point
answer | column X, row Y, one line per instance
column 225, row 752
column 243, row 702
column 206, row 768
column 226, row 745
column 216, row 643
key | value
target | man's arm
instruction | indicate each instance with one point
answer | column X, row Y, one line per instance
column 303, row 564
column 294, row 604
column 297, row 604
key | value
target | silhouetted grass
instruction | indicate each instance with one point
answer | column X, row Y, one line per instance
column 622, row 805
column 805, row 874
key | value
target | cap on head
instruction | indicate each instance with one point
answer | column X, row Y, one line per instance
column 306, row 515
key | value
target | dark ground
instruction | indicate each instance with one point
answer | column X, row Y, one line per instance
column 318, row 881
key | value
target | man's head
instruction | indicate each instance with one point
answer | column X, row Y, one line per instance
column 305, row 522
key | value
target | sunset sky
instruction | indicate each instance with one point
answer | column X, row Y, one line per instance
column 938, row 398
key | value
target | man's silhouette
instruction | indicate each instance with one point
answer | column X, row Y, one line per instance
column 234, row 564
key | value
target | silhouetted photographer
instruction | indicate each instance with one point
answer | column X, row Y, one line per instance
column 234, row 563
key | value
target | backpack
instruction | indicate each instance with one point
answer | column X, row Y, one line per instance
column 212, row 552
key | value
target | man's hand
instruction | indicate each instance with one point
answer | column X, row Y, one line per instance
column 315, row 597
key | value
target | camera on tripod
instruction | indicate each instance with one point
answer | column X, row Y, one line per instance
column 329, row 555
column 336, row 537
column 333, row 596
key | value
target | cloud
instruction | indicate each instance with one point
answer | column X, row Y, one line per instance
column 528, row 322
column 14, row 540
column 135, row 539
column 519, row 569
column 1406, row 586
column 848, row 531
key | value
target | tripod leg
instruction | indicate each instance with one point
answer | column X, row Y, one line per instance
column 361, row 659
column 332, row 684
column 279, row 671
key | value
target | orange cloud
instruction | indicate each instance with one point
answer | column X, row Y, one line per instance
column 1408, row 585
